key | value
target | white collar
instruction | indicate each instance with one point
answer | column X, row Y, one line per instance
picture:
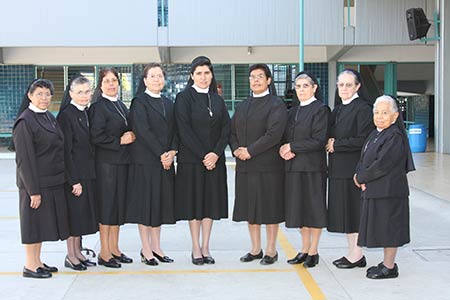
column 346, row 102
column 265, row 93
column 308, row 102
column 114, row 99
column 148, row 92
column 36, row 109
column 200, row 90
column 80, row 107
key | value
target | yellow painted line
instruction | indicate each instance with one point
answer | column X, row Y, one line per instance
column 161, row 272
column 309, row 282
column 9, row 218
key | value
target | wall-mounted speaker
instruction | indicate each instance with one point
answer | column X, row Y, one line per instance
column 417, row 22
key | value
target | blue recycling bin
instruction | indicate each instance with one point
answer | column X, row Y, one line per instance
column 417, row 135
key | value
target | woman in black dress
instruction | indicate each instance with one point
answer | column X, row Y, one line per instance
column 203, row 127
column 39, row 145
column 110, row 134
column 80, row 170
column 306, row 167
column 351, row 123
column 257, row 128
column 151, row 173
column 381, row 175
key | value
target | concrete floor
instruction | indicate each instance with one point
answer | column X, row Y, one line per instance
column 423, row 264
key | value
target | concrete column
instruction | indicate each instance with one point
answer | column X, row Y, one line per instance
column 442, row 78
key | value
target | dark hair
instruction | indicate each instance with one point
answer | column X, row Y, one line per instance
column 101, row 74
column 151, row 66
column 41, row 83
column 263, row 67
column 312, row 79
column 198, row 62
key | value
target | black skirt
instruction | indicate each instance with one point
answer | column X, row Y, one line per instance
column 200, row 193
column 259, row 197
column 344, row 206
column 150, row 195
column 49, row 222
column 83, row 217
column 111, row 193
column 384, row 223
column 306, row 204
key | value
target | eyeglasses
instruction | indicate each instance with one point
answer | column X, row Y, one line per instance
column 83, row 93
column 107, row 81
column 304, row 86
column 255, row 77
column 347, row 85
column 43, row 95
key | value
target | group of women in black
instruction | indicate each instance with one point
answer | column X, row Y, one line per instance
column 98, row 168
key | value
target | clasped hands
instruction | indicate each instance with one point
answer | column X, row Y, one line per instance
column 209, row 161
column 167, row 159
column 242, row 153
column 286, row 152
column 127, row 137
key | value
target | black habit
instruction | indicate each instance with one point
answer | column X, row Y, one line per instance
column 150, row 186
column 79, row 168
column 385, row 207
column 200, row 193
column 259, row 124
column 305, row 192
column 108, row 121
column 39, row 145
column 349, row 125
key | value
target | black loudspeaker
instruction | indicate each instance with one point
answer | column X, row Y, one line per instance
column 417, row 22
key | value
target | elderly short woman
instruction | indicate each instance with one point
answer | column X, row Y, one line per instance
column 381, row 175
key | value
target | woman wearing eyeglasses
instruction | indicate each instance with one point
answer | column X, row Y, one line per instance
column 257, row 128
column 80, row 170
column 151, row 175
column 351, row 123
column 110, row 134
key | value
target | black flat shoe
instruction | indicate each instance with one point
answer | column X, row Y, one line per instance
column 197, row 261
column 298, row 259
column 338, row 261
column 268, row 260
column 371, row 269
column 123, row 258
column 311, row 261
column 382, row 272
column 39, row 273
column 209, row 260
column 88, row 263
column 71, row 265
column 346, row 264
column 111, row 263
column 249, row 257
column 163, row 259
column 50, row 269
column 151, row 262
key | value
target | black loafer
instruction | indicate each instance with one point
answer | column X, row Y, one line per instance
column 268, row 260
column 298, row 259
column 150, row 262
column 163, row 259
column 338, row 261
column 311, row 261
column 380, row 265
column 197, row 261
column 346, row 264
column 50, row 269
column 71, row 265
column 111, row 263
column 209, row 260
column 382, row 272
column 88, row 263
column 39, row 273
column 123, row 258
column 250, row 257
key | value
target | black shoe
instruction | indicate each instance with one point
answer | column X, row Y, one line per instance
column 346, row 264
column 111, row 263
column 197, row 261
column 163, row 259
column 311, row 261
column 249, row 257
column 123, row 258
column 268, row 260
column 76, row 267
column 88, row 263
column 338, row 261
column 209, row 260
column 151, row 262
column 50, row 269
column 298, row 259
column 39, row 273
column 382, row 272
column 371, row 269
